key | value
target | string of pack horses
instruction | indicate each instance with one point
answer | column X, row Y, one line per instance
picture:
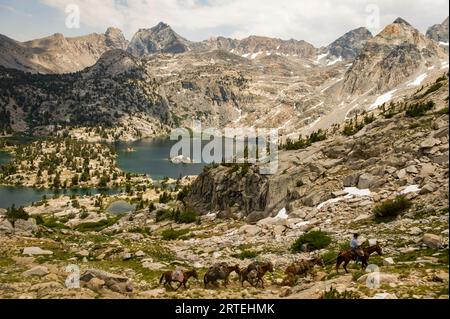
column 255, row 272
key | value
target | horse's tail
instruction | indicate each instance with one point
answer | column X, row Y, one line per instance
column 161, row 279
column 205, row 280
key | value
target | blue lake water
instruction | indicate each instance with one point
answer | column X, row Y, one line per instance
column 4, row 157
column 152, row 157
column 23, row 196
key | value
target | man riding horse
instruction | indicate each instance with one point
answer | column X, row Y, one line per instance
column 356, row 248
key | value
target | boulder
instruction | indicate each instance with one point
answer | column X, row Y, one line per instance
column 31, row 251
column 401, row 174
column 83, row 253
column 278, row 230
column 429, row 143
column 114, row 282
column 388, row 261
column 427, row 170
column 95, row 284
column 427, row 189
column 139, row 254
column 412, row 169
column 127, row 256
column 351, row 180
column 36, row 271
column 250, row 230
column 315, row 198
column 415, row 231
column 6, row 228
column 25, row 227
column 153, row 265
column 383, row 278
column 432, row 241
column 367, row 181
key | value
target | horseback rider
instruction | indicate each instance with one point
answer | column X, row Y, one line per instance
column 355, row 247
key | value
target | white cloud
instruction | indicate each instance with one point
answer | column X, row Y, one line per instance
column 15, row 11
column 316, row 21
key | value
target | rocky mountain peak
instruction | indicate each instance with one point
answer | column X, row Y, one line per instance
column 161, row 38
column 439, row 32
column 350, row 44
column 390, row 58
column 401, row 21
column 115, row 38
column 161, row 26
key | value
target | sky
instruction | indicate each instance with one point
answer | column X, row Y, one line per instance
column 317, row 21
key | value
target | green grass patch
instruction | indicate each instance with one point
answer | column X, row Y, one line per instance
column 97, row 226
column 246, row 254
column 311, row 241
column 172, row 234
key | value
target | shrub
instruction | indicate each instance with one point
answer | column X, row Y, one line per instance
column 443, row 111
column 151, row 207
column 299, row 183
column 329, row 257
column 334, row 294
column 39, row 220
column 302, row 143
column 369, row 118
column 313, row 240
column 164, row 198
column 163, row 215
column 84, row 214
column 13, row 214
column 436, row 86
column 247, row 254
column 419, row 109
column 391, row 208
column 186, row 217
column 184, row 192
column 172, row 234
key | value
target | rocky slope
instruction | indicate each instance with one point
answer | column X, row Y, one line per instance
column 57, row 54
column 390, row 58
column 370, row 159
column 105, row 95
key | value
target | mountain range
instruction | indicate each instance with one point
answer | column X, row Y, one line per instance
column 159, row 79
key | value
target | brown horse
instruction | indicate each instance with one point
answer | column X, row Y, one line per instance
column 347, row 255
column 220, row 271
column 301, row 268
column 255, row 272
column 180, row 276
